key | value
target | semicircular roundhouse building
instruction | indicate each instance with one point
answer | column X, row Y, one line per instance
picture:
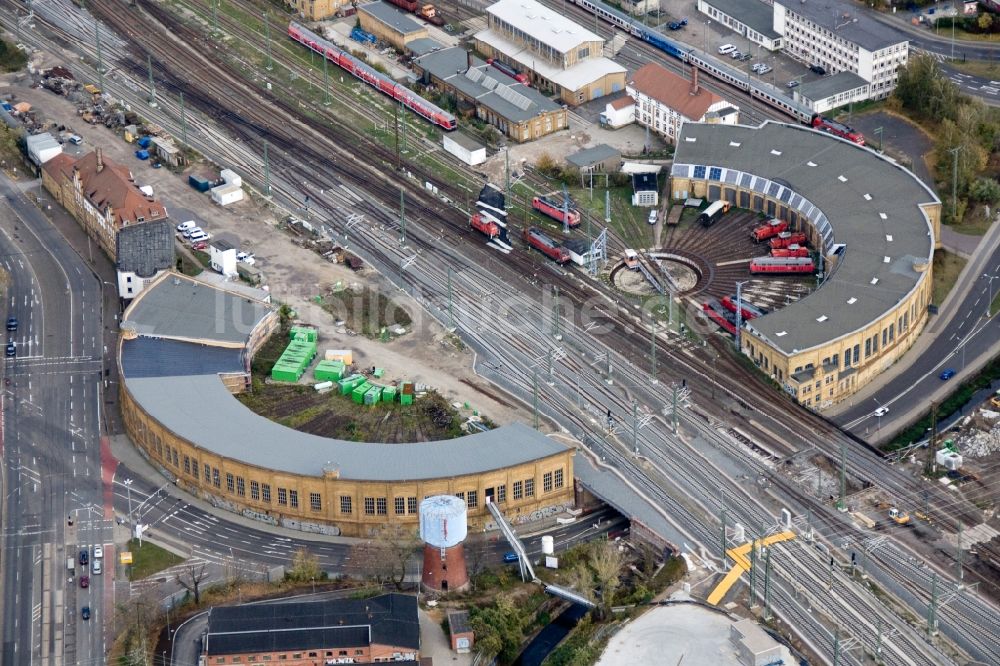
column 874, row 224
column 185, row 349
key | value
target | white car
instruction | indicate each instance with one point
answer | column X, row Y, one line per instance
column 764, row 70
column 726, row 48
column 652, row 216
column 191, row 231
column 245, row 258
column 881, row 411
column 184, row 226
column 98, row 552
column 96, row 568
column 199, row 236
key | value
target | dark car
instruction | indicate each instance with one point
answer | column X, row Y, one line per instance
column 11, row 323
column 947, row 374
column 510, row 557
column 85, row 612
column 11, row 349
column 818, row 69
column 746, row 56
column 84, row 556
column 84, row 581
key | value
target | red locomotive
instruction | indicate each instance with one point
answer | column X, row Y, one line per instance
column 551, row 249
column 486, row 224
column 787, row 238
column 749, row 310
column 372, row 77
column 718, row 314
column 769, row 230
column 509, row 71
column 554, row 209
column 790, row 251
column 782, row 265
column 837, row 129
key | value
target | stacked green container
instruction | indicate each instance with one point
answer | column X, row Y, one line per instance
column 329, row 370
column 389, row 394
column 350, row 383
column 373, row 395
column 303, row 333
column 358, row 394
column 285, row 373
column 406, row 393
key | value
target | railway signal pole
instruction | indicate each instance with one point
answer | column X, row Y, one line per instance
column 635, row 426
column 556, row 331
column 267, row 173
column 451, row 312
column 739, row 311
column 402, row 217
column 932, row 608
column 100, row 62
column 652, row 351
column 267, row 40
column 674, row 409
column 842, row 502
column 152, row 84
column 395, row 125
column 506, row 158
column 725, row 558
column 565, row 208
column 184, row 123
column 767, row 584
column 326, row 82
column 954, row 181
column 959, row 574
column 534, row 400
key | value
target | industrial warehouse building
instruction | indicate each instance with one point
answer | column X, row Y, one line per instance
column 752, row 19
column 390, row 25
column 186, row 348
column 875, row 226
column 558, row 55
column 518, row 111
column 303, row 633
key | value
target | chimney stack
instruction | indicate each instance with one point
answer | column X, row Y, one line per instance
column 694, row 80
column 468, row 60
column 100, row 160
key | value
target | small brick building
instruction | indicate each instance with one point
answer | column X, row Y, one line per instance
column 311, row 633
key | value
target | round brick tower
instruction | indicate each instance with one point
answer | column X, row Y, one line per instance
column 443, row 528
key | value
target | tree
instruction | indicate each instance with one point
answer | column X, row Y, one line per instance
column 985, row 190
column 546, row 165
column 499, row 629
column 985, row 21
column 607, row 562
column 384, row 558
column 305, row 567
column 190, row 579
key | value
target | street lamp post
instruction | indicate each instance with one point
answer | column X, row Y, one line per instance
column 707, row 23
column 128, row 489
column 989, row 302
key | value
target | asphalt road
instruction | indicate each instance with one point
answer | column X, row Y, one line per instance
column 51, row 456
column 967, row 335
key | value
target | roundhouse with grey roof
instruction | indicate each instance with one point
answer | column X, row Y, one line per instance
column 873, row 223
column 186, row 347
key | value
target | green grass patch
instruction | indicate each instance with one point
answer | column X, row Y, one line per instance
column 947, row 267
column 995, row 305
column 149, row 559
column 951, row 404
column 986, row 68
column 974, row 222
column 366, row 311
column 579, row 648
column 11, row 57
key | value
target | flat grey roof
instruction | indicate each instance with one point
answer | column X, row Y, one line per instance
column 392, row 17
column 753, row 13
column 828, row 86
column 846, row 21
column 201, row 409
column 451, row 65
column 465, row 141
column 590, row 156
column 145, row 248
column 865, row 202
column 178, row 307
column 423, row 45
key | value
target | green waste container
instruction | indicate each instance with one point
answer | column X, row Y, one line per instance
column 389, row 394
column 358, row 394
column 373, row 395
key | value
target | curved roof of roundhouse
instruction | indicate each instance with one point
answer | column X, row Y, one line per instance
column 864, row 202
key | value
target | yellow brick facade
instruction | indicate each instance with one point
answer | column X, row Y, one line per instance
column 386, row 33
column 831, row 372
column 316, row 10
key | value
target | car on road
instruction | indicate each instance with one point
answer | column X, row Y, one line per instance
column 11, row 350
column 184, row 226
column 881, row 411
column 817, row 69
column 98, row 552
column 11, row 323
column 84, row 557
column 947, row 374
column 510, row 557
column 96, row 568
column 726, row 48
column 84, row 581
column 793, row 84
column 85, row 612
column 200, row 246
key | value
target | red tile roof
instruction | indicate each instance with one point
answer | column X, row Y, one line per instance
column 673, row 90
column 113, row 185
column 59, row 166
column 622, row 103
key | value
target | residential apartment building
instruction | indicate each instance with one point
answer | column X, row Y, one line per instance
column 839, row 39
column 558, row 55
column 100, row 194
column 664, row 101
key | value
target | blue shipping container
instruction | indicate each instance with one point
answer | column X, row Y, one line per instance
column 199, row 183
column 7, row 106
column 144, row 142
column 142, row 154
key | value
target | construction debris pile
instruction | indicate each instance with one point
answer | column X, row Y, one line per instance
column 977, row 443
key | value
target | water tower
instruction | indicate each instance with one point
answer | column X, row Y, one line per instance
column 443, row 527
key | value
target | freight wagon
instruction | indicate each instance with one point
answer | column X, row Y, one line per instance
column 551, row 249
column 787, row 239
column 711, row 215
column 768, row 230
column 554, row 209
column 782, row 265
column 372, row 77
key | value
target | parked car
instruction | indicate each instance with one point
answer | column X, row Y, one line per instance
column 84, row 581
column 652, row 216
column 85, row 612
column 726, row 48
column 11, row 323
column 746, row 56
column 818, row 69
column 189, row 231
column 184, row 226
column 510, row 557
column 246, row 258
column 199, row 236
column 736, row 55
column 96, row 568
column 947, row 374
column 200, row 246
column 764, row 70
column 756, row 66
column 98, row 553
column 793, row 84
column 11, row 350
column 84, row 557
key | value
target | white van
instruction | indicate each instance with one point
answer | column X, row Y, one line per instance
column 184, row 226
column 726, row 48
column 198, row 236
